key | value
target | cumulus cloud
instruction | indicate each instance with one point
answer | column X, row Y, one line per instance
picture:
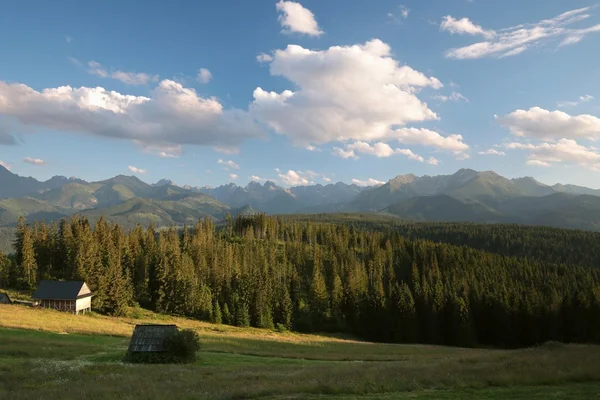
column 368, row 182
column 204, row 76
column 433, row 161
column 312, row 148
column 172, row 115
column 582, row 99
column 515, row 40
column 34, row 161
column 228, row 163
column 379, row 150
column 128, row 78
column 426, row 137
column 339, row 152
column 326, row 179
column 136, row 170
column 293, row 178
column 464, row 26
column 233, row 176
column 454, row 96
column 5, row 165
column 256, row 178
column 294, row 18
column 551, row 125
column 492, row 152
column 264, row 57
column 343, row 93
column 565, row 151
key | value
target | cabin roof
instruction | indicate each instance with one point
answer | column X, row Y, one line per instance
column 62, row 290
column 150, row 338
column 4, row 298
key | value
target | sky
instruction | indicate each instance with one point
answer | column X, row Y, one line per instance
column 211, row 92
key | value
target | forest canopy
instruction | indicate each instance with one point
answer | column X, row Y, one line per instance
column 492, row 286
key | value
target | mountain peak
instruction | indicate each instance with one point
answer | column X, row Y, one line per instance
column 164, row 182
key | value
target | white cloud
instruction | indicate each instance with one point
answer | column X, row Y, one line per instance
column 204, row 76
column 295, row 18
column 404, row 11
column 343, row 93
column 368, row 182
column 172, row 115
column 551, row 125
column 433, row 161
column 229, row 164
column 379, row 149
column 313, row 148
column 464, row 26
column 293, row 178
column 164, row 151
column 425, row 137
column 257, row 178
column 402, row 14
column 264, row 57
column 517, row 39
column 454, row 96
column 408, row 153
column 68, row 38
column 582, row 99
column 325, row 179
column 492, row 152
column 564, row 151
column 34, row 161
column 6, row 165
column 537, row 163
column 136, row 170
column 128, row 78
column 233, row 176
column 339, row 152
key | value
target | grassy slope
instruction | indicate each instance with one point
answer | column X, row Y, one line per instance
column 46, row 354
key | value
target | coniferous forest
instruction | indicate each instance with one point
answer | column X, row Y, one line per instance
column 504, row 286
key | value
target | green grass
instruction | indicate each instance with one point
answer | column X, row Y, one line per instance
column 251, row 363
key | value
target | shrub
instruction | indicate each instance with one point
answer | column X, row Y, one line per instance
column 179, row 348
column 183, row 346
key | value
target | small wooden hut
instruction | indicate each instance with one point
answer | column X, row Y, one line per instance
column 70, row 296
column 4, row 299
column 150, row 338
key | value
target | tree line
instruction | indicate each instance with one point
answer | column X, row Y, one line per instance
column 272, row 272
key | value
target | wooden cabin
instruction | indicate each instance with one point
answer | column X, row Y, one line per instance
column 4, row 299
column 150, row 338
column 68, row 296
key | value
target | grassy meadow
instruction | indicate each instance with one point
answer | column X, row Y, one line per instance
column 47, row 354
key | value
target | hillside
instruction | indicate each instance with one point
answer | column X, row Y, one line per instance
column 73, row 356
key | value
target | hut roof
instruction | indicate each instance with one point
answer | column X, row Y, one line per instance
column 4, row 299
column 150, row 338
column 62, row 290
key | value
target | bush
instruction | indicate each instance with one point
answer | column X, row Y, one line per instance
column 183, row 346
column 180, row 348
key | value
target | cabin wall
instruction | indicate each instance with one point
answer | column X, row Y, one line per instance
column 84, row 304
column 60, row 305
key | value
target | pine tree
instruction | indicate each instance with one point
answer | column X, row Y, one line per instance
column 28, row 265
column 217, row 316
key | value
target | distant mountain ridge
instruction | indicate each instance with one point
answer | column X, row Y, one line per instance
column 466, row 195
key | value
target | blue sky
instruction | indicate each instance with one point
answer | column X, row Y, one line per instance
column 314, row 91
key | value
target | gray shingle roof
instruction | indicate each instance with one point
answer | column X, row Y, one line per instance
column 4, row 299
column 60, row 290
column 150, row 338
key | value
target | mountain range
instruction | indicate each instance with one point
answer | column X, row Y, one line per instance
column 466, row 195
